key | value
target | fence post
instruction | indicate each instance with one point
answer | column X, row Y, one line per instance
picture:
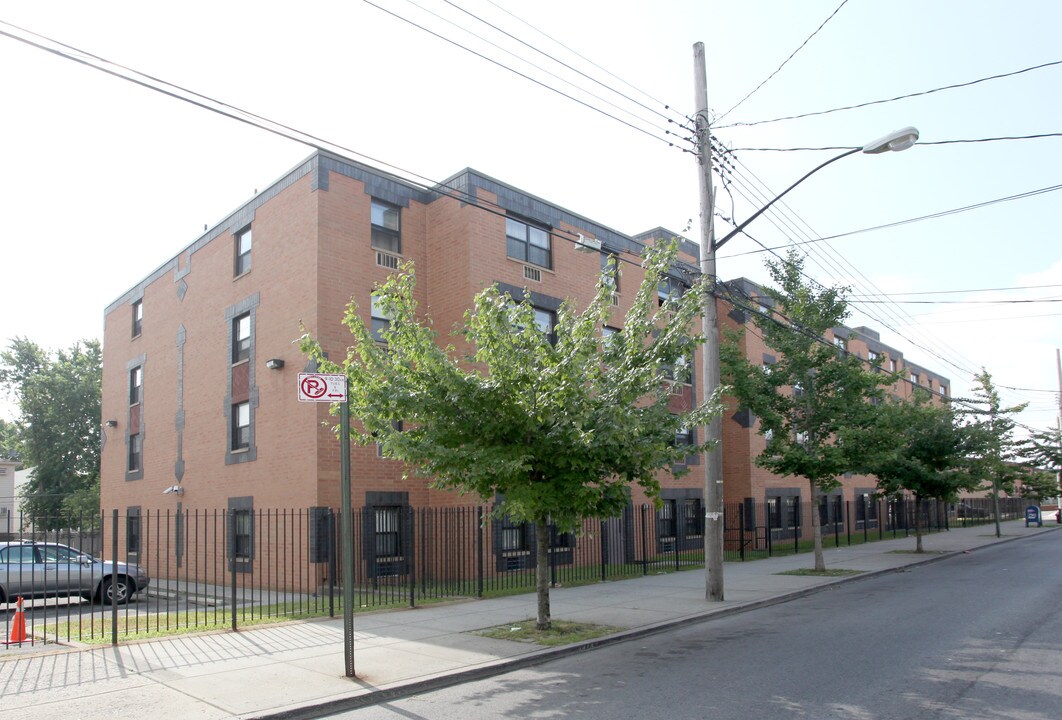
column 645, row 545
column 114, row 577
column 604, row 549
column 332, row 564
column 411, row 563
column 881, row 527
column 741, row 532
column 479, row 551
column 848, row 520
column 230, row 539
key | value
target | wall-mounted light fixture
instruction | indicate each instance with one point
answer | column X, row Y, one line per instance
column 274, row 363
column 175, row 489
column 111, row 423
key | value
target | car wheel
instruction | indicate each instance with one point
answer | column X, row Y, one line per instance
column 117, row 593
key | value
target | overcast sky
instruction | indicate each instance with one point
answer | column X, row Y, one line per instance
column 104, row 180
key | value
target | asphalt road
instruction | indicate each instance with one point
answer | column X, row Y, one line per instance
column 975, row 636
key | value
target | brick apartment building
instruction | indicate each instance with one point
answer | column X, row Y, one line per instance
column 199, row 370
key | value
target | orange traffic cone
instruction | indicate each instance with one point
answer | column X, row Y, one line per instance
column 18, row 625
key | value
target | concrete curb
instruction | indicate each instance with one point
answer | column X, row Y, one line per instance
column 501, row 666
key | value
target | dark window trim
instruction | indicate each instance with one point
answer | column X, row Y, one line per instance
column 382, row 237
column 246, row 307
column 241, row 262
column 520, row 248
column 138, row 317
column 244, row 562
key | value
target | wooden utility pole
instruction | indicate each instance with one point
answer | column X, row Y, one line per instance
column 713, row 482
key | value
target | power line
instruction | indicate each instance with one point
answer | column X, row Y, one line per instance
column 893, row 99
column 537, row 67
column 975, row 290
column 931, row 216
column 556, row 60
column 517, row 72
column 262, row 123
column 960, row 302
column 784, row 62
column 920, row 142
column 666, row 106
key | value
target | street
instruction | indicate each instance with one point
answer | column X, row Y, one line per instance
column 974, row 636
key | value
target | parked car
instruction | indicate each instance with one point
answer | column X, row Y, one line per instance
column 41, row 569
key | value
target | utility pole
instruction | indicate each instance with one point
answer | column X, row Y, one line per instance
column 713, row 480
column 1058, row 366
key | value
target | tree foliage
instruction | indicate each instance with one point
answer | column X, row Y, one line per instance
column 920, row 448
column 555, row 426
column 995, row 450
column 814, row 395
column 58, row 397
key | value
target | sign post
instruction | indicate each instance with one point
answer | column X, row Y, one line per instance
column 330, row 388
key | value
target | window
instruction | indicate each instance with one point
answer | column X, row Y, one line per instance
column 665, row 520
column 914, row 378
column 381, row 321
column 871, row 355
column 892, row 365
column 138, row 317
column 241, row 426
column 774, row 512
column 386, row 227
column 136, row 383
column 513, row 536
column 680, row 371
column 242, row 535
column 242, row 263
column 944, row 390
column 136, row 451
column 683, row 436
column 132, row 530
column 241, row 338
column 694, row 516
column 839, row 342
column 668, row 288
column 528, row 243
column 388, row 531
column 610, row 270
column 546, row 320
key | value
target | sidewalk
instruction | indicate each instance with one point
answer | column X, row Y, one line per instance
column 295, row 670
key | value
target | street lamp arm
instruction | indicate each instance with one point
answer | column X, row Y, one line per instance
column 743, row 225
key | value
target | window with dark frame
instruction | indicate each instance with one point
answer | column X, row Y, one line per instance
column 386, row 227
column 242, row 262
column 668, row 288
column 528, row 243
column 380, row 319
column 132, row 530
column 136, row 450
column 241, row 338
column 546, row 320
column 138, row 317
column 666, row 526
column 241, row 426
column 610, row 270
column 694, row 516
column 388, row 521
column 136, row 383
column 242, row 535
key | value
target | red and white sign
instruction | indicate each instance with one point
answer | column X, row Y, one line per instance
column 322, row 387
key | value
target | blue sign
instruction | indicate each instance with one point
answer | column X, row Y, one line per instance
column 1032, row 515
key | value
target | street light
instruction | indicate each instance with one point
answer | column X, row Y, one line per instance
column 713, row 484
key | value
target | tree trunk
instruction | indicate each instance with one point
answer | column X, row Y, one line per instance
column 816, row 526
column 918, row 523
column 542, row 573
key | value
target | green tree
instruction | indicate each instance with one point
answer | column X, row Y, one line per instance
column 9, row 445
column 996, row 451
column 557, row 426
column 58, row 397
column 920, row 448
column 814, row 393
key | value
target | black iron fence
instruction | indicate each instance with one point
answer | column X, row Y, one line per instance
column 230, row 568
